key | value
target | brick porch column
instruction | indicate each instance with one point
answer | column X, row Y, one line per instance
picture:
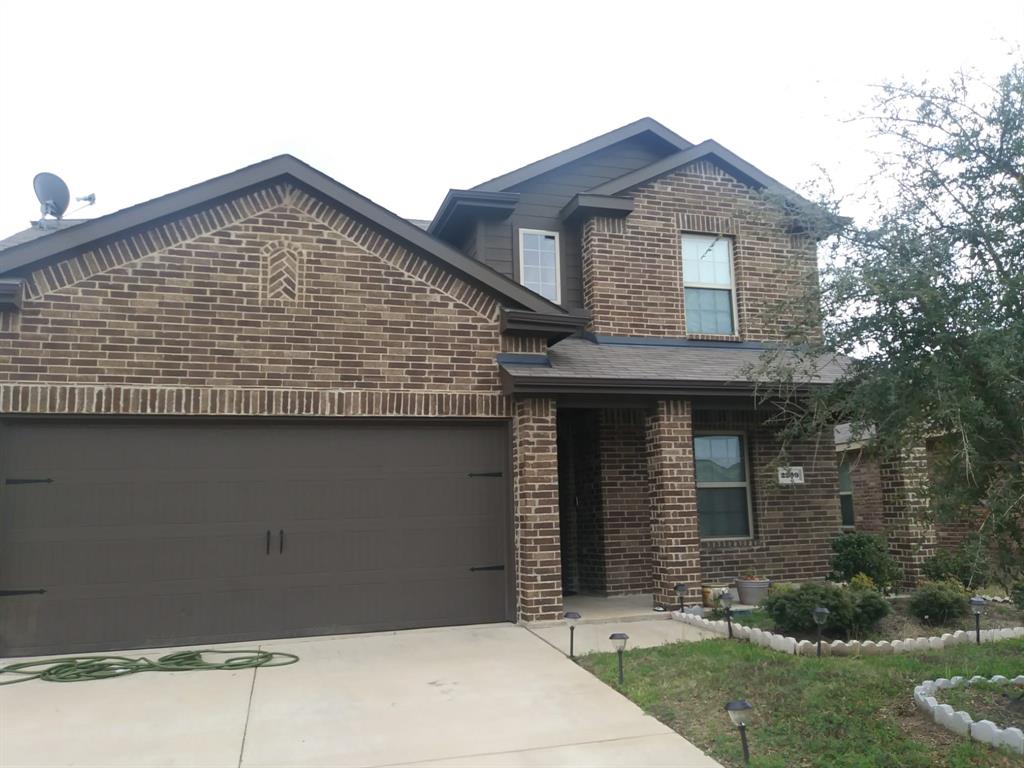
column 535, row 494
column 673, row 494
column 904, row 511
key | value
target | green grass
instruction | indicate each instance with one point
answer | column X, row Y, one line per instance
column 835, row 712
column 1002, row 704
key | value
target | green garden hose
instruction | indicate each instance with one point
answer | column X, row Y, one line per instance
column 73, row 669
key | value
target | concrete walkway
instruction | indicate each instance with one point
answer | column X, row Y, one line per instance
column 480, row 696
column 592, row 636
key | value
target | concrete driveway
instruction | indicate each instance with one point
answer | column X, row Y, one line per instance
column 491, row 695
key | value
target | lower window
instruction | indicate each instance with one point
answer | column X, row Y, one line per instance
column 846, row 494
column 723, row 487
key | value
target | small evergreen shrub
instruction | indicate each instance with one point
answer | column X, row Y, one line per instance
column 863, row 553
column 863, row 581
column 938, row 602
column 793, row 610
column 1017, row 595
column 869, row 608
column 968, row 564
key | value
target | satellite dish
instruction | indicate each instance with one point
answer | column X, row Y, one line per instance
column 53, row 194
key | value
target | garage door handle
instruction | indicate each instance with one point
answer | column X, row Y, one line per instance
column 280, row 542
column 488, row 568
column 15, row 592
column 268, row 541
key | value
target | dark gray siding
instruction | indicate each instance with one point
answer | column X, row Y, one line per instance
column 543, row 197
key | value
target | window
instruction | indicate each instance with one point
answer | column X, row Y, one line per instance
column 846, row 494
column 538, row 263
column 723, row 490
column 708, row 290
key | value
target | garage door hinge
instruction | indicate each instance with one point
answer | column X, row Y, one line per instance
column 486, row 474
column 27, row 480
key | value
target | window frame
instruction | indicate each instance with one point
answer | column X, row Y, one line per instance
column 733, row 296
column 853, row 511
column 558, row 261
column 745, row 451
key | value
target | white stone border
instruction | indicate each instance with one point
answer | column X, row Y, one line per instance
column 792, row 646
column 960, row 722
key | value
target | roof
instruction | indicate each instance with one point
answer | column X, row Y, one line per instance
column 645, row 125
column 37, row 230
column 277, row 169
column 710, row 148
column 648, row 366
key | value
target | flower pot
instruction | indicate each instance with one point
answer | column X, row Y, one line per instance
column 752, row 591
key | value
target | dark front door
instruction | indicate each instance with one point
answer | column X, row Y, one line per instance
column 160, row 533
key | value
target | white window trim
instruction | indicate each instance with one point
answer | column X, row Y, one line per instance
column 746, row 467
column 558, row 260
column 734, row 297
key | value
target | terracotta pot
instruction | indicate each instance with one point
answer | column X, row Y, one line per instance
column 752, row 591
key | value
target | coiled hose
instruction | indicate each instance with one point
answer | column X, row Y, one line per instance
column 73, row 669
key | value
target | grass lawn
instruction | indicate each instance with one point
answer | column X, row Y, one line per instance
column 835, row 713
column 1002, row 704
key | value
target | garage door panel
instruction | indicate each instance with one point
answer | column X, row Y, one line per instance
column 155, row 534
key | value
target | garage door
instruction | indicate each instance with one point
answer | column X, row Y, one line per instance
column 149, row 534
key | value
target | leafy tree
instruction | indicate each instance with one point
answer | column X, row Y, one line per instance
column 925, row 304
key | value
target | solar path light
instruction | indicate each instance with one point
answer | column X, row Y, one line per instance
column 820, row 617
column 977, row 603
column 572, row 618
column 726, row 600
column 681, row 592
column 740, row 713
column 619, row 642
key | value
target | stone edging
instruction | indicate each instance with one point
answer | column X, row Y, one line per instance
column 960, row 722
column 792, row 646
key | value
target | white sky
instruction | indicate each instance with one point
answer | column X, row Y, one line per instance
column 401, row 101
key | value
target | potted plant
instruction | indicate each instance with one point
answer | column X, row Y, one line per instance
column 752, row 589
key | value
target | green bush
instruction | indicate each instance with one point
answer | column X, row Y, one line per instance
column 863, row 581
column 968, row 564
column 938, row 602
column 1017, row 594
column 863, row 553
column 869, row 608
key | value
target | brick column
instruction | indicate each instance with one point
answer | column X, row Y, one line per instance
column 673, row 493
column 535, row 494
column 904, row 511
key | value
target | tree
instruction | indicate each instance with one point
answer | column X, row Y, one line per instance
column 926, row 303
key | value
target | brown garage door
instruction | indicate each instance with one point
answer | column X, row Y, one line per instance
column 149, row 534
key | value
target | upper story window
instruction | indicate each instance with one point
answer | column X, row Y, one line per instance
column 709, row 291
column 538, row 263
column 723, row 487
column 846, row 494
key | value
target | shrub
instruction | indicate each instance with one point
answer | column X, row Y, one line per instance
column 1017, row 594
column 863, row 581
column 968, row 564
column 863, row 553
column 792, row 610
column 869, row 608
column 938, row 602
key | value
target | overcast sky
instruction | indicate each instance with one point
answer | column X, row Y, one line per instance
column 401, row 101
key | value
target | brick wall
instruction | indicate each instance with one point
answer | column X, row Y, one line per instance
column 234, row 309
column 676, row 555
column 535, row 493
column 625, row 503
column 793, row 525
column 905, row 511
column 632, row 268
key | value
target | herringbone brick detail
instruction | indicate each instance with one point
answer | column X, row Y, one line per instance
column 281, row 272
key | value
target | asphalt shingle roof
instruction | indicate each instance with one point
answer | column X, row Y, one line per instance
column 35, row 231
column 577, row 358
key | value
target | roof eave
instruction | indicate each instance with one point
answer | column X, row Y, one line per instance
column 468, row 202
column 564, row 385
column 553, row 327
column 585, row 205
column 11, row 293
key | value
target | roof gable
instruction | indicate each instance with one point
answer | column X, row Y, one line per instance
column 283, row 168
column 644, row 126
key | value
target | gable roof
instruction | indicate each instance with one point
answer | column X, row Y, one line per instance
column 710, row 148
column 17, row 258
column 644, row 125
column 37, row 230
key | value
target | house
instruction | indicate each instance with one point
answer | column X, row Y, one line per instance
column 265, row 406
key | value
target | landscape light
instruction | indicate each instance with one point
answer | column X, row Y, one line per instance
column 681, row 591
column 619, row 642
column 726, row 600
column 740, row 713
column 977, row 603
column 571, row 618
column 820, row 617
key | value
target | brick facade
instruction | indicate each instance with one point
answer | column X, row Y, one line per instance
column 675, row 553
column 535, row 493
column 793, row 524
column 632, row 268
column 905, row 511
